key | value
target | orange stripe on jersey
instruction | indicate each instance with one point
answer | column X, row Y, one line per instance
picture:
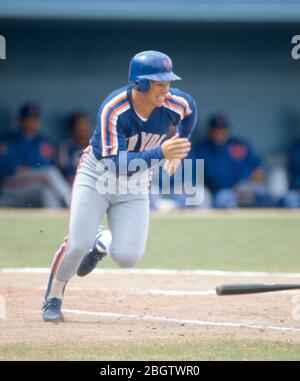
column 111, row 122
column 182, row 105
column 177, row 107
column 105, row 111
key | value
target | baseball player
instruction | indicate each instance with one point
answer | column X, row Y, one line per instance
column 28, row 174
column 132, row 124
column 70, row 150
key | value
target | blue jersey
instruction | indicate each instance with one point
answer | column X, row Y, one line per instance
column 7, row 161
column 227, row 164
column 69, row 153
column 119, row 128
column 27, row 151
column 295, row 166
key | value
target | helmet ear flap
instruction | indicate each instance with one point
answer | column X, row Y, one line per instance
column 142, row 85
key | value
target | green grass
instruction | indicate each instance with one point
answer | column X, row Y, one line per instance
column 254, row 243
column 171, row 350
column 268, row 243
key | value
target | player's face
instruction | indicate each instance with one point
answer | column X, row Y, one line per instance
column 30, row 125
column 158, row 92
column 219, row 135
column 82, row 129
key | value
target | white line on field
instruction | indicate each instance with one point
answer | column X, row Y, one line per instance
column 183, row 321
column 41, row 270
column 154, row 291
column 141, row 291
column 176, row 292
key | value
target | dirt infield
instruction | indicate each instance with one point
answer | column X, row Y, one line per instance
column 116, row 306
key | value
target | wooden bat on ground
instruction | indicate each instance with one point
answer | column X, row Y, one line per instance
column 252, row 288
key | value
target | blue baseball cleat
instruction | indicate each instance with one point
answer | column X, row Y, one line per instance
column 52, row 311
column 90, row 260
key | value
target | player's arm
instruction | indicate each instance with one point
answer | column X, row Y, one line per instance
column 172, row 149
column 188, row 123
column 184, row 130
column 114, row 135
column 254, row 167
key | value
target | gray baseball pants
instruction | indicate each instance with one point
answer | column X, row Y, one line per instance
column 128, row 220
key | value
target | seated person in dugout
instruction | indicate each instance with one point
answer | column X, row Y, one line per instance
column 70, row 150
column 234, row 175
column 292, row 197
column 28, row 175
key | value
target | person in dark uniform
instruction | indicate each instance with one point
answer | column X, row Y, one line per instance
column 233, row 172
column 27, row 171
column 70, row 150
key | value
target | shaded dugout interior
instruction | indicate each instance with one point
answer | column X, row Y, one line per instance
column 245, row 69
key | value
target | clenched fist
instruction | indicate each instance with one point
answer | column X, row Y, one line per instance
column 176, row 148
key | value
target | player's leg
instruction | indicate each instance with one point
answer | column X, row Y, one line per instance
column 128, row 220
column 87, row 209
column 100, row 249
column 30, row 194
column 49, row 198
column 57, row 183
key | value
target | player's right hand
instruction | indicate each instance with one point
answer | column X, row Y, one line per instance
column 176, row 148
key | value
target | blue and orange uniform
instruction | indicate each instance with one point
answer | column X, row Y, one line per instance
column 69, row 153
column 119, row 128
column 21, row 150
column 225, row 165
column 32, row 151
column 120, row 133
column 295, row 166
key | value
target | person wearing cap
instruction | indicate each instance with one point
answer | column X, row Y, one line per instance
column 233, row 172
column 114, row 173
column 29, row 175
column 291, row 196
column 70, row 150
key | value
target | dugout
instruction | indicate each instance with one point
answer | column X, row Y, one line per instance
column 232, row 57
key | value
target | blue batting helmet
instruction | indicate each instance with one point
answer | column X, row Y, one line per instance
column 150, row 65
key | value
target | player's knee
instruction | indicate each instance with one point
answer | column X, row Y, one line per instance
column 125, row 258
column 78, row 250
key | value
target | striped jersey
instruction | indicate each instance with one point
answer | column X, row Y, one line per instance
column 120, row 128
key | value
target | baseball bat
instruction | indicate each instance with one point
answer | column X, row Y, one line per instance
column 253, row 288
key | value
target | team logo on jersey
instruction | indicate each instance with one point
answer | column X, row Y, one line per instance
column 238, row 151
column 148, row 141
column 167, row 64
column 46, row 150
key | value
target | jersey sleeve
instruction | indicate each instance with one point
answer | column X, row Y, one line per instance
column 110, row 130
column 8, row 161
column 114, row 140
column 186, row 106
column 252, row 162
column 187, row 125
column 123, row 158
